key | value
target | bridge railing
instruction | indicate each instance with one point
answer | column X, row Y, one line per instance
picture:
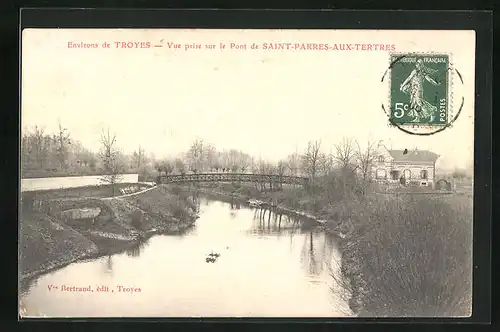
column 232, row 177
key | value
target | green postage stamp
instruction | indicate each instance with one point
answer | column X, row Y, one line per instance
column 420, row 90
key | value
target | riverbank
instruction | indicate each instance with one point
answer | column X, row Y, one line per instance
column 402, row 255
column 48, row 242
column 411, row 256
column 270, row 200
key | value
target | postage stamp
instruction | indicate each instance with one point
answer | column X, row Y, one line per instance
column 419, row 90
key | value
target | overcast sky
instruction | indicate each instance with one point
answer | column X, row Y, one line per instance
column 266, row 103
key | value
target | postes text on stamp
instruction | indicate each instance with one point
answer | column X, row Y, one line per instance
column 419, row 90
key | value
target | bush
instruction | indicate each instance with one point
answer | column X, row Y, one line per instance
column 415, row 255
column 459, row 174
column 147, row 173
column 179, row 210
column 176, row 190
column 136, row 218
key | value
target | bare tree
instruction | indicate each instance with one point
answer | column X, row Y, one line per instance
column 281, row 171
column 63, row 140
column 77, row 154
column 326, row 163
column 39, row 146
column 233, row 157
column 345, row 155
column 180, row 166
column 365, row 159
column 311, row 159
column 210, row 157
column 139, row 158
column 264, row 168
column 196, row 156
column 26, row 151
column 111, row 160
column 293, row 164
column 234, row 160
column 244, row 162
column 164, row 166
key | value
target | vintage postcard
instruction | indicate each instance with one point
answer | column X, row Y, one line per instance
column 246, row 173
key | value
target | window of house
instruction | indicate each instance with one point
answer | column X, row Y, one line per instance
column 395, row 175
column 423, row 174
column 380, row 159
column 381, row 173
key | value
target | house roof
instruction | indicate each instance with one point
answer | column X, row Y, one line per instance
column 414, row 155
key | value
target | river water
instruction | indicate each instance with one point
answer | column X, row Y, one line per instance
column 269, row 265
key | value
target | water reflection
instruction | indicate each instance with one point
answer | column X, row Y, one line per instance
column 235, row 205
column 269, row 265
column 108, row 265
column 269, row 221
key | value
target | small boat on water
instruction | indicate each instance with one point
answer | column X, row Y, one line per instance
column 212, row 254
column 210, row 260
column 212, row 257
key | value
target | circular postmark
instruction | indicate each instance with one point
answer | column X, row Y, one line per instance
column 422, row 92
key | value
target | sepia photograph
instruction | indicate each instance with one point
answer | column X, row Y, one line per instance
column 246, row 173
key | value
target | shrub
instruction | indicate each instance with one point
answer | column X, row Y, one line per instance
column 176, row 190
column 136, row 218
column 459, row 174
column 415, row 255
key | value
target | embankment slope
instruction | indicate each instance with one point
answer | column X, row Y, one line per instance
column 47, row 242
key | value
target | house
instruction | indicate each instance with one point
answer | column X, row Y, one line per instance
column 408, row 166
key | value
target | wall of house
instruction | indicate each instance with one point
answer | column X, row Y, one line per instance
column 415, row 172
column 381, row 167
column 381, row 170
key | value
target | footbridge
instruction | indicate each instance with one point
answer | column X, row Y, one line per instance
column 233, row 177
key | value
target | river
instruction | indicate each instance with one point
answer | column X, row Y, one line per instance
column 269, row 265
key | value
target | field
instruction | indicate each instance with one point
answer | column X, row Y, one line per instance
column 51, row 173
column 102, row 191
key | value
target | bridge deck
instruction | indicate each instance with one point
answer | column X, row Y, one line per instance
column 233, row 177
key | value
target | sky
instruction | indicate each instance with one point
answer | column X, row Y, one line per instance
column 268, row 103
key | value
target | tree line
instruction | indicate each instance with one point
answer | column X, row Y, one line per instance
column 46, row 154
column 347, row 157
column 58, row 154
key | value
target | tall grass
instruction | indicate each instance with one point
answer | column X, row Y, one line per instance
column 415, row 255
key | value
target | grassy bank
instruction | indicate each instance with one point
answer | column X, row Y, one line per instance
column 101, row 191
column 403, row 255
column 47, row 242
column 410, row 256
column 52, row 173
